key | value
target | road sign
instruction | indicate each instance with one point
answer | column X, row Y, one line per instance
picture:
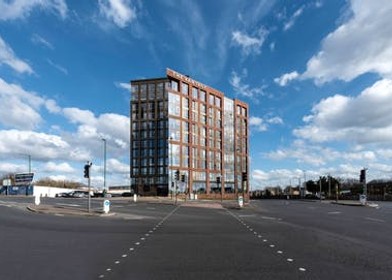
column 106, row 206
column 7, row 182
column 24, row 178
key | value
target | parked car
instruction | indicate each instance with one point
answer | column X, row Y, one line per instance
column 79, row 194
column 64, row 194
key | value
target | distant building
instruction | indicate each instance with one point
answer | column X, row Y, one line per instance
column 189, row 136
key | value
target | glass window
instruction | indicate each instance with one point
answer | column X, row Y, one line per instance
column 203, row 95
column 184, row 88
column 143, row 92
column 217, row 101
column 151, row 91
column 194, row 93
column 174, row 85
column 174, row 104
column 211, row 99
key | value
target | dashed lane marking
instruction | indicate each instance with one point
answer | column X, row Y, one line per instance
column 132, row 249
column 265, row 241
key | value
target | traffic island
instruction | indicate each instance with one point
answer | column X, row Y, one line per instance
column 66, row 211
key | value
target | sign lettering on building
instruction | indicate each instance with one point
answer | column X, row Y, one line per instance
column 185, row 78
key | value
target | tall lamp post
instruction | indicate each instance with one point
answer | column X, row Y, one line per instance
column 104, row 163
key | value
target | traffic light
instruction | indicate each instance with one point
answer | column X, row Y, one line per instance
column 362, row 176
column 177, row 175
column 183, row 178
column 86, row 171
column 218, row 180
column 244, row 176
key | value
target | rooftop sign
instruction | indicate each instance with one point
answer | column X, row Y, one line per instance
column 185, row 78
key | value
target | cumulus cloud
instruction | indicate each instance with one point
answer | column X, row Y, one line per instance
column 262, row 124
column 8, row 57
column 361, row 45
column 63, row 167
column 243, row 89
column 20, row 9
column 249, row 44
column 118, row 11
column 38, row 145
column 286, row 78
column 20, row 108
column 362, row 119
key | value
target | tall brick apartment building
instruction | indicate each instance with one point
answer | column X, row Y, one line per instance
column 187, row 136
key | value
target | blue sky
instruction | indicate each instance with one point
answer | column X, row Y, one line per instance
column 317, row 75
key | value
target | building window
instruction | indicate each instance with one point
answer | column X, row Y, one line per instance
column 184, row 88
column 194, row 93
column 211, row 99
column 174, row 85
column 202, row 95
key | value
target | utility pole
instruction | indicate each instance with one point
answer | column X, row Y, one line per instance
column 104, row 164
column 87, row 167
column 320, row 187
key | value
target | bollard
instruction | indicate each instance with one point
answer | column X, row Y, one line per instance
column 106, row 206
column 241, row 201
column 37, row 199
column 135, row 198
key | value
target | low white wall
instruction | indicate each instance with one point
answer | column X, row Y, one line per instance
column 48, row 191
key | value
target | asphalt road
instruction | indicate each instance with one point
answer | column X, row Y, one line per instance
column 271, row 239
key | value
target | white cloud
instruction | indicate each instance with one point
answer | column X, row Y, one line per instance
column 118, row 11
column 361, row 45
column 362, row 119
column 19, row 108
column 243, row 89
column 248, row 43
column 262, row 124
column 126, row 86
column 58, row 167
column 258, row 123
column 76, row 115
column 286, row 78
column 38, row 145
column 8, row 57
column 20, row 9
column 290, row 23
column 58, row 67
column 38, row 40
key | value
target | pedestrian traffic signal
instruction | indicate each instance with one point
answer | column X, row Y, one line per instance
column 244, row 176
column 177, row 175
column 362, row 176
column 218, row 179
column 86, row 171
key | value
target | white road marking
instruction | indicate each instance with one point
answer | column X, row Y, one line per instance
column 375, row 220
column 290, row 260
column 334, row 213
column 302, row 269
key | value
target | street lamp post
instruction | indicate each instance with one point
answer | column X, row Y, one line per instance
column 171, row 166
column 104, row 163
